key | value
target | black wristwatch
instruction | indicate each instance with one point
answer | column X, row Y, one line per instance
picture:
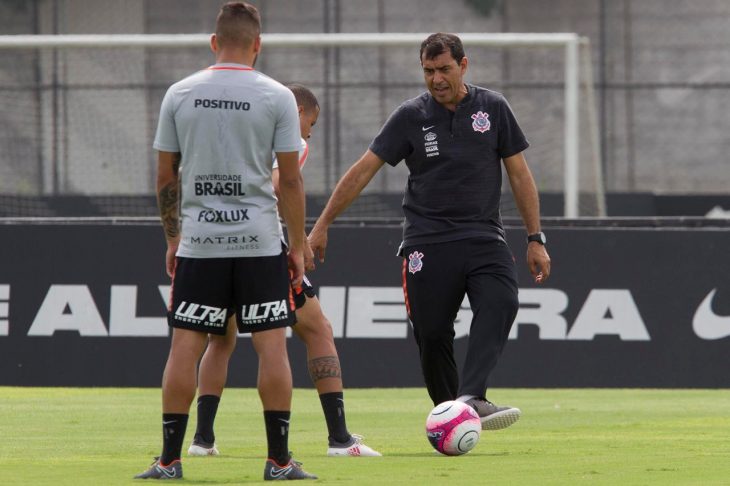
column 539, row 237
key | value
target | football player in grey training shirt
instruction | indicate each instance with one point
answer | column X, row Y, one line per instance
column 454, row 139
column 223, row 120
column 215, row 138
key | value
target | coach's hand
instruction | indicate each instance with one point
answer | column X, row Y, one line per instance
column 538, row 261
column 318, row 242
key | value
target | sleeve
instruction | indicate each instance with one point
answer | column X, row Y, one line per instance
column 392, row 144
column 166, row 137
column 303, row 153
column 287, row 134
column 511, row 140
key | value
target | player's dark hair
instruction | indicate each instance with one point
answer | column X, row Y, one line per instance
column 304, row 96
column 237, row 24
column 438, row 43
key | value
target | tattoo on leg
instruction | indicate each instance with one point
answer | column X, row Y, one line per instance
column 324, row 367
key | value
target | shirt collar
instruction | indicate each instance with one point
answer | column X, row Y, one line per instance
column 230, row 66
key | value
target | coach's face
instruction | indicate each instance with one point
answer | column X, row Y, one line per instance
column 445, row 78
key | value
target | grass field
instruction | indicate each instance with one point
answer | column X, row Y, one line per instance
column 104, row 436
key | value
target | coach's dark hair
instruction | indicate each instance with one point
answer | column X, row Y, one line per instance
column 438, row 43
column 304, row 96
column 237, row 24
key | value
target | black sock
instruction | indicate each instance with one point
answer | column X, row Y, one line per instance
column 207, row 408
column 333, row 405
column 277, row 435
column 173, row 434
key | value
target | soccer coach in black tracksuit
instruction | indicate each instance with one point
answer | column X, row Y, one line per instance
column 453, row 138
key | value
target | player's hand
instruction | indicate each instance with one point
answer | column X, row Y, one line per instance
column 308, row 256
column 296, row 267
column 170, row 258
column 318, row 242
column 538, row 261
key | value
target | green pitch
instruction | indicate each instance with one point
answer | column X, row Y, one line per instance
column 565, row 437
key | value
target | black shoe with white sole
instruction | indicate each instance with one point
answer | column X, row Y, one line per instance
column 494, row 417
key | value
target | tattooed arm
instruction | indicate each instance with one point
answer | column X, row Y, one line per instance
column 168, row 164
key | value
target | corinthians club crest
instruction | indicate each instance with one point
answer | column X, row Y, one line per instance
column 481, row 122
column 415, row 262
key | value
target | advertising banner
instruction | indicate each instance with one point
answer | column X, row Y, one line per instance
column 83, row 304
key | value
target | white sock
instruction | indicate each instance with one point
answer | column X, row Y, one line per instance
column 465, row 398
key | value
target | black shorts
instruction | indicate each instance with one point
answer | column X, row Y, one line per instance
column 437, row 276
column 301, row 294
column 206, row 290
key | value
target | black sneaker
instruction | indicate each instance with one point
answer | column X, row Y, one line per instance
column 292, row 470
column 158, row 471
column 492, row 416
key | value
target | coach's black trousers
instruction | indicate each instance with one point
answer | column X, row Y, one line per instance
column 435, row 279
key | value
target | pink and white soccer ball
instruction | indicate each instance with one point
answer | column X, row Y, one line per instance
column 453, row 428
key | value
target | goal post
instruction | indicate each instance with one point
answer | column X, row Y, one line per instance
column 576, row 60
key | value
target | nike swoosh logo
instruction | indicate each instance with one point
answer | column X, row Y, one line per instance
column 168, row 422
column 285, row 421
column 167, row 472
column 427, row 128
column 707, row 324
column 278, row 471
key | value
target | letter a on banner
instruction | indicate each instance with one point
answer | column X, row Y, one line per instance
column 68, row 308
column 609, row 311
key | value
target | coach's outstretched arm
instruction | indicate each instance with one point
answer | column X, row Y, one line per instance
column 168, row 164
column 528, row 203
column 347, row 189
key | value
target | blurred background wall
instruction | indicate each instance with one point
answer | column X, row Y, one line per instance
column 77, row 125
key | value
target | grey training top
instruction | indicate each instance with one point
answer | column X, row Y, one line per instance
column 226, row 121
column 454, row 158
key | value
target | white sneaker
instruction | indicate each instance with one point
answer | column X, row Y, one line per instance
column 354, row 447
column 200, row 449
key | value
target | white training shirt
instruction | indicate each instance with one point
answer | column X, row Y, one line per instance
column 226, row 121
column 303, row 153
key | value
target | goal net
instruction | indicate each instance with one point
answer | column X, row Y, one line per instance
column 80, row 111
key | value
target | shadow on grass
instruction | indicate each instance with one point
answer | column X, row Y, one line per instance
column 436, row 454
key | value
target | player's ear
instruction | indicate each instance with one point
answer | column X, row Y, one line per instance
column 463, row 64
column 301, row 110
column 213, row 43
column 257, row 44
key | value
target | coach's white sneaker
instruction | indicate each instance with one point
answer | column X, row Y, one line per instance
column 353, row 447
column 201, row 449
column 492, row 416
